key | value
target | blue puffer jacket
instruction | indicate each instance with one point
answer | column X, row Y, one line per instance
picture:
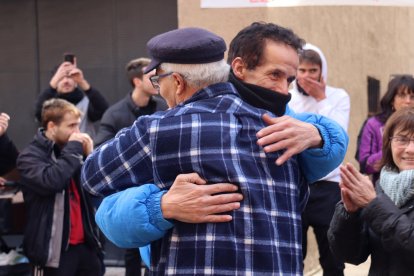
column 133, row 217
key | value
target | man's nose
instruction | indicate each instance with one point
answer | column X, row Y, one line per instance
column 284, row 87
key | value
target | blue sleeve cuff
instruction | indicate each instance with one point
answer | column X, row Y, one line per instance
column 326, row 147
column 155, row 212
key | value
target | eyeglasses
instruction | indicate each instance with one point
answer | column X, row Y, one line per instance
column 155, row 80
column 401, row 141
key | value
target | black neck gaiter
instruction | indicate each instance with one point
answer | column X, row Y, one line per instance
column 73, row 97
column 261, row 97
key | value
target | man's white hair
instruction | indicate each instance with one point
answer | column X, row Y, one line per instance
column 200, row 75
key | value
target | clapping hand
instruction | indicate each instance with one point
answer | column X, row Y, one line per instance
column 357, row 189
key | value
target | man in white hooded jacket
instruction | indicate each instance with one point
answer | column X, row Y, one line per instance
column 311, row 94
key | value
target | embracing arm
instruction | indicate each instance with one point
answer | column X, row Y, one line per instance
column 113, row 167
column 133, row 217
column 320, row 142
column 145, row 213
column 318, row 162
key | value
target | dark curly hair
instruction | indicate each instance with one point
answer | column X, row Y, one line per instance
column 249, row 43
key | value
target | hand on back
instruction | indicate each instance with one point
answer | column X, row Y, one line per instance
column 287, row 133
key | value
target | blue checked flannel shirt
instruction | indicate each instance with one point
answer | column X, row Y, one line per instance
column 214, row 134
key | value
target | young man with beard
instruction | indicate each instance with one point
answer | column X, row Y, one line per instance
column 143, row 100
column 61, row 237
column 69, row 83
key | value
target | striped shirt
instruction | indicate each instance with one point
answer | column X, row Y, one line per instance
column 214, row 134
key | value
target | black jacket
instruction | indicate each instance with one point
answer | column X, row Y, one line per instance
column 8, row 154
column 97, row 103
column 123, row 114
column 46, row 172
column 381, row 230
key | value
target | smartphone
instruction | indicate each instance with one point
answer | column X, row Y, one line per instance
column 69, row 57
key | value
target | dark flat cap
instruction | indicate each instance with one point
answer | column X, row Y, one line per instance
column 185, row 46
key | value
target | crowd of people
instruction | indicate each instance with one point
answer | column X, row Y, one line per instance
column 222, row 175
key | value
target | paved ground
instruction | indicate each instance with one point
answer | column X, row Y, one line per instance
column 312, row 267
column 115, row 271
column 350, row 270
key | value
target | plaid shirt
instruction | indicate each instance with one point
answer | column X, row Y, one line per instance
column 214, row 134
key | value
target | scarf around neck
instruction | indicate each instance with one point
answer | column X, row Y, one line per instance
column 398, row 186
column 73, row 97
column 261, row 97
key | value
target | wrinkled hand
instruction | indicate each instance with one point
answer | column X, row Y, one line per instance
column 191, row 200
column 287, row 133
column 85, row 139
column 4, row 123
column 356, row 186
column 314, row 88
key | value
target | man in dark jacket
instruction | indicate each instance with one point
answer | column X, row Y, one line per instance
column 69, row 83
column 141, row 101
column 61, row 237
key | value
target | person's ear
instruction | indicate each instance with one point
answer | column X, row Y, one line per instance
column 239, row 68
column 179, row 83
column 51, row 127
column 137, row 82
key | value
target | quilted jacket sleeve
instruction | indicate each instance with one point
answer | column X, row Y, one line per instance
column 318, row 162
column 347, row 236
column 133, row 217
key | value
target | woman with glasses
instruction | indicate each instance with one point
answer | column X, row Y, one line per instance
column 379, row 221
column 400, row 93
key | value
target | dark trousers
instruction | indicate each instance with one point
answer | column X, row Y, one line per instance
column 132, row 262
column 324, row 195
column 78, row 260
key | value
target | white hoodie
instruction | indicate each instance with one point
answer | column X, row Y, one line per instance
column 335, row 106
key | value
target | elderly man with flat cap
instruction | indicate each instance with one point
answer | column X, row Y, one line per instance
column 211, row 131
